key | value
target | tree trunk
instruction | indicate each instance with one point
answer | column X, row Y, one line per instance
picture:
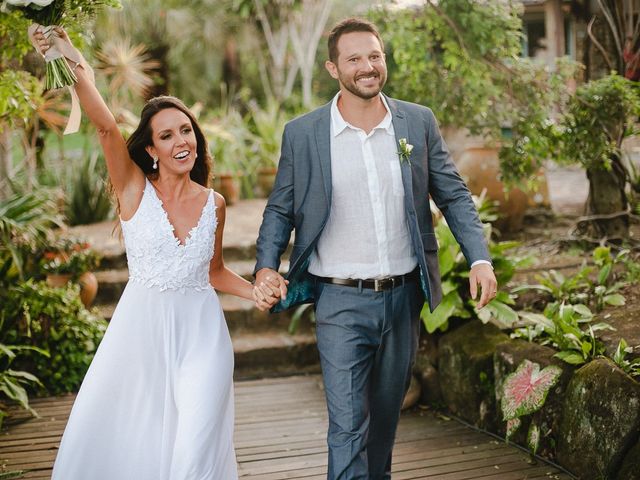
column 231, row 66
column 607, row 197
column 160, row 53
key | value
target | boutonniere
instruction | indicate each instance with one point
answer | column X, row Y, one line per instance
column 405, row 150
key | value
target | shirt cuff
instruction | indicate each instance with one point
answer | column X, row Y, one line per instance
column 478, row 262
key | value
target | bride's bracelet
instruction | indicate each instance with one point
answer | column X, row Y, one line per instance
column 77, row 64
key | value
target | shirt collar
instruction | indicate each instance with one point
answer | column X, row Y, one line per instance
column 339, row 124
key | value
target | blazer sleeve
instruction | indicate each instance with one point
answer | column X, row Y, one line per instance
column 277, row 219
column 452, row 196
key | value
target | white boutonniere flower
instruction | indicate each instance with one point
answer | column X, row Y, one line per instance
column 405, row 150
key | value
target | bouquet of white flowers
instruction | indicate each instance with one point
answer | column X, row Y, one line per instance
column 50, row 13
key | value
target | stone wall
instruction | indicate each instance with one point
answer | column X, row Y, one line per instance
column 590, row 422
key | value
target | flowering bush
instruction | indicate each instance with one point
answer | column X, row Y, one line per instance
column 69, row 256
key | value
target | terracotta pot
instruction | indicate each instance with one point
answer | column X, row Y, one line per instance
column 480, row 169
column 266, row 178
column 228, row 186
column 88, row 288
column 57, row 280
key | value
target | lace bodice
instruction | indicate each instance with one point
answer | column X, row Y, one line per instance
column 156, row 258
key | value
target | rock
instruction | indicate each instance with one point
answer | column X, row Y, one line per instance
column 412, row 395
column 429, row 379
column 630, row 469
column 600, row 420
column 465, row 368
column 507, row 358
column 428, row 348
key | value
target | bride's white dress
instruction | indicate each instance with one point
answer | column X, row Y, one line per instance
column 157, row 401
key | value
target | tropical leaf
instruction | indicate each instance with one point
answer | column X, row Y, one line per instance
column 570, row 357
column 512, row 426
column 502, row 314
column 533, row 437
column 582, row 310
column 525, row 390
column 614, row 299
column 603, row 274
column 451, row 305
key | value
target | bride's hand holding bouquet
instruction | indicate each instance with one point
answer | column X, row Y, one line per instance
column 47, row 14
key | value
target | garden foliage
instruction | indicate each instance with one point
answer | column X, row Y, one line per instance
column 524, row 392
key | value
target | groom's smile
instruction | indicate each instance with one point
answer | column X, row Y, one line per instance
column 360, row 67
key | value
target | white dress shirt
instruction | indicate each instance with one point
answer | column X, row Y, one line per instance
column 366, row 235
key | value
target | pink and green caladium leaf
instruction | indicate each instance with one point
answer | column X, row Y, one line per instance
column 525, row 390
column 512, row 425
column 533, row 438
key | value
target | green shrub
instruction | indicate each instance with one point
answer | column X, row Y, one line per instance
column 54, row 320
column 88, row 199
column 454, row 271
column 13, row 382
column 25, row 221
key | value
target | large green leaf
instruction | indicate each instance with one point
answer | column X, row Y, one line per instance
column 614, row 299
column 451, row 305
column 570, row 357
column 500, row 313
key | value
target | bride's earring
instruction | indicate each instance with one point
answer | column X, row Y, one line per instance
column 155, row 162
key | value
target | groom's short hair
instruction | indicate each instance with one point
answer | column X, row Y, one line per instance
column 350, row 25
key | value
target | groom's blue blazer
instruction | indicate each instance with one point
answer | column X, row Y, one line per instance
column 301, row 198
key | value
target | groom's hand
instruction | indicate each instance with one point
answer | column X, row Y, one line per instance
column 482, row 274
column 272, row 283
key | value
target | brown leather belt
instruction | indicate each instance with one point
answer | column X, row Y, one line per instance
column 378, row 285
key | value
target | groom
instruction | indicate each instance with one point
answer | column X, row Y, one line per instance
column 354, row 181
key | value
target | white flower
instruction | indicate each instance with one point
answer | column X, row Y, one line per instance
column 405, row 150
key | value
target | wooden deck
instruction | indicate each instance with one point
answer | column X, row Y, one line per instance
column 280, row 434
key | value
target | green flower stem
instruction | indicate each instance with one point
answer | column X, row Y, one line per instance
column 58, row 74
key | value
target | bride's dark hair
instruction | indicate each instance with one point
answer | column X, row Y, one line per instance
column 142, row 138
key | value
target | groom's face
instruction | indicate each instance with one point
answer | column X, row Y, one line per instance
column 360, row 67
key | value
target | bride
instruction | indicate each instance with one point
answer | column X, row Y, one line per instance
column 157, row 400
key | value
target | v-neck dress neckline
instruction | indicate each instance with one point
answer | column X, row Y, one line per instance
column 181, row 243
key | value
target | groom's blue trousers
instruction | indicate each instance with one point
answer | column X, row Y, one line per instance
column 367, row 342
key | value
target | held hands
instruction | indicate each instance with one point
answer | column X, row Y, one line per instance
column 269, row 288
column 482, row 274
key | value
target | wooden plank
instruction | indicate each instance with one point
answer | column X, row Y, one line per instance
column 280, row 433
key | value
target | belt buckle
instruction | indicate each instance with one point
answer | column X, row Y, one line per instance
column 382, row 284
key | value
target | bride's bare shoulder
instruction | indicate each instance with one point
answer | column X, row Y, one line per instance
column 220, row 201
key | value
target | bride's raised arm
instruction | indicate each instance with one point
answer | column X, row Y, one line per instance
column 126, row 177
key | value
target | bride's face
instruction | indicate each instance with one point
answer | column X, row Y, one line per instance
column 174, row 141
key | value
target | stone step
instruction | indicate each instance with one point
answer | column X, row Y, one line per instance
column 116, row 259
column 274, row 353
column 111, row 283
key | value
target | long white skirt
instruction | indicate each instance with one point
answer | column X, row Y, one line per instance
column 157, row 401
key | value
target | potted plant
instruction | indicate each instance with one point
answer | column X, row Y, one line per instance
column 72, row 260
column 227, row 137
column 267, row 126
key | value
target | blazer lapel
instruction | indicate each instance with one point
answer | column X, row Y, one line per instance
column 401, row 130
column 323, row 144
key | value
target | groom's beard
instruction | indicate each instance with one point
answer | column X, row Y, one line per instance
column 366, row 93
